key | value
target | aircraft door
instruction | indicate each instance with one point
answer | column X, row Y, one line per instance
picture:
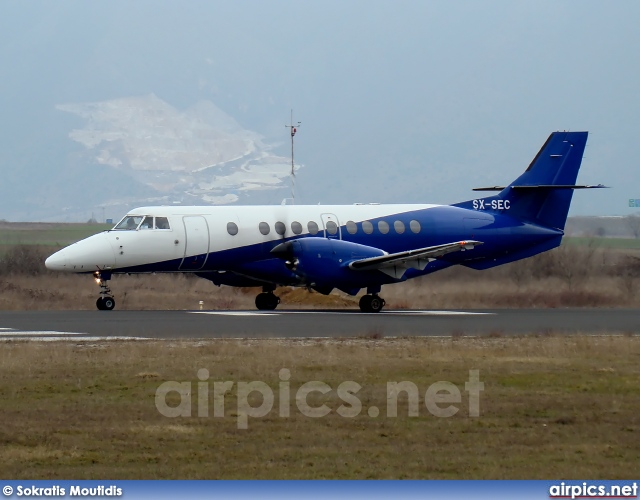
column 331, row 226
column 196, row 249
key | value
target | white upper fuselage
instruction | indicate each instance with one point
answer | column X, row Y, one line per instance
column 197, row 230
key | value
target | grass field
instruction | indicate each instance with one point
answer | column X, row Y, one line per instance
column 612, row 243
column 551, row 407
column 48, row 234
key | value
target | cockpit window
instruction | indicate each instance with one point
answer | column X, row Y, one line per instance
column 147, row 223
column 133, row 222
column 129, row 223
column 162, row 223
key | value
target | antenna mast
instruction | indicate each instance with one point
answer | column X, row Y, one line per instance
column 293, row 129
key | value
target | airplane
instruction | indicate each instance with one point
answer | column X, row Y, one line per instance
column 344, row 247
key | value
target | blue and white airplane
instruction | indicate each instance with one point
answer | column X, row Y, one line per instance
column 348, row 247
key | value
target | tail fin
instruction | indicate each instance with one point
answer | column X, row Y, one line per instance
column 542, row 194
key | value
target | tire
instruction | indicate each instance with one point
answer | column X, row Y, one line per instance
column 108, row 303
column 267, row 301
column 376, row 304
column 100, row 304
column 371, row 303
column 365, row 303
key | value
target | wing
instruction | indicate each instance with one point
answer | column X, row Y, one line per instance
column 396, row 264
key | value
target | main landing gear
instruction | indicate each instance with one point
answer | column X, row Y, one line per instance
column 371, row 303
column 267, row 300
column 105, row 302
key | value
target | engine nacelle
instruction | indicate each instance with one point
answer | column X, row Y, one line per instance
column 324, row 262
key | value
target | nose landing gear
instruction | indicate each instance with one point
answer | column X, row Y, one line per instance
column 105, row 302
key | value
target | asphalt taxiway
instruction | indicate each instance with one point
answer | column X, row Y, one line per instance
column 90, row 325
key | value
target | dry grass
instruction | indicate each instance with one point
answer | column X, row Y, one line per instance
column 552, row 407
column 487, row 292
column 566, row 277
column 466, row 289
column 146, row 292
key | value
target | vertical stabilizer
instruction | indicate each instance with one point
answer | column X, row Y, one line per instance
column 542, row 194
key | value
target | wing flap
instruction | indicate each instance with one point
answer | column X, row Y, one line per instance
column 396, row 264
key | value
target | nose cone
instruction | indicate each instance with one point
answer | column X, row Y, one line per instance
column 84, row 256
column 57, row 261
column 283, row 250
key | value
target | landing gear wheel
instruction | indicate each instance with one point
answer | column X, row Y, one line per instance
column 365, row 300
column 371, row 303
column 376, row 304
column 105, row 303
column 266, row 301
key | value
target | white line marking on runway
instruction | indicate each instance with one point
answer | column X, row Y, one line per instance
column 67, row 337
column 32, row 333
column 52, row 335
column 234, row 313
column 383, row 313
column 79, row 339
column 437, row 313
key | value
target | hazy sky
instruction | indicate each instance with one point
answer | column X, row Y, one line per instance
column 403, row 101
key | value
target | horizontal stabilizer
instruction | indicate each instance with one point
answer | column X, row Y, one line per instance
column 542, row 186
column 492, row 188
column 396, row 264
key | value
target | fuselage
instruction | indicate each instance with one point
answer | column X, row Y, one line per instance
column 213, row 241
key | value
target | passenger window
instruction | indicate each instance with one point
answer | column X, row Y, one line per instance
column 313, row 227
column 280, row 228
column 398, row 226
column 264, row 228
column 367, row 227
column 147, row 223
column 415, row 226
column 352, row 228
column 383, row 227
column 162, row 223
column 296, row 227
column 129, row 223
column 232, row 228
column 332, row 227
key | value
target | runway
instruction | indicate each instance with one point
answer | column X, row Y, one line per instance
column 114, row 325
